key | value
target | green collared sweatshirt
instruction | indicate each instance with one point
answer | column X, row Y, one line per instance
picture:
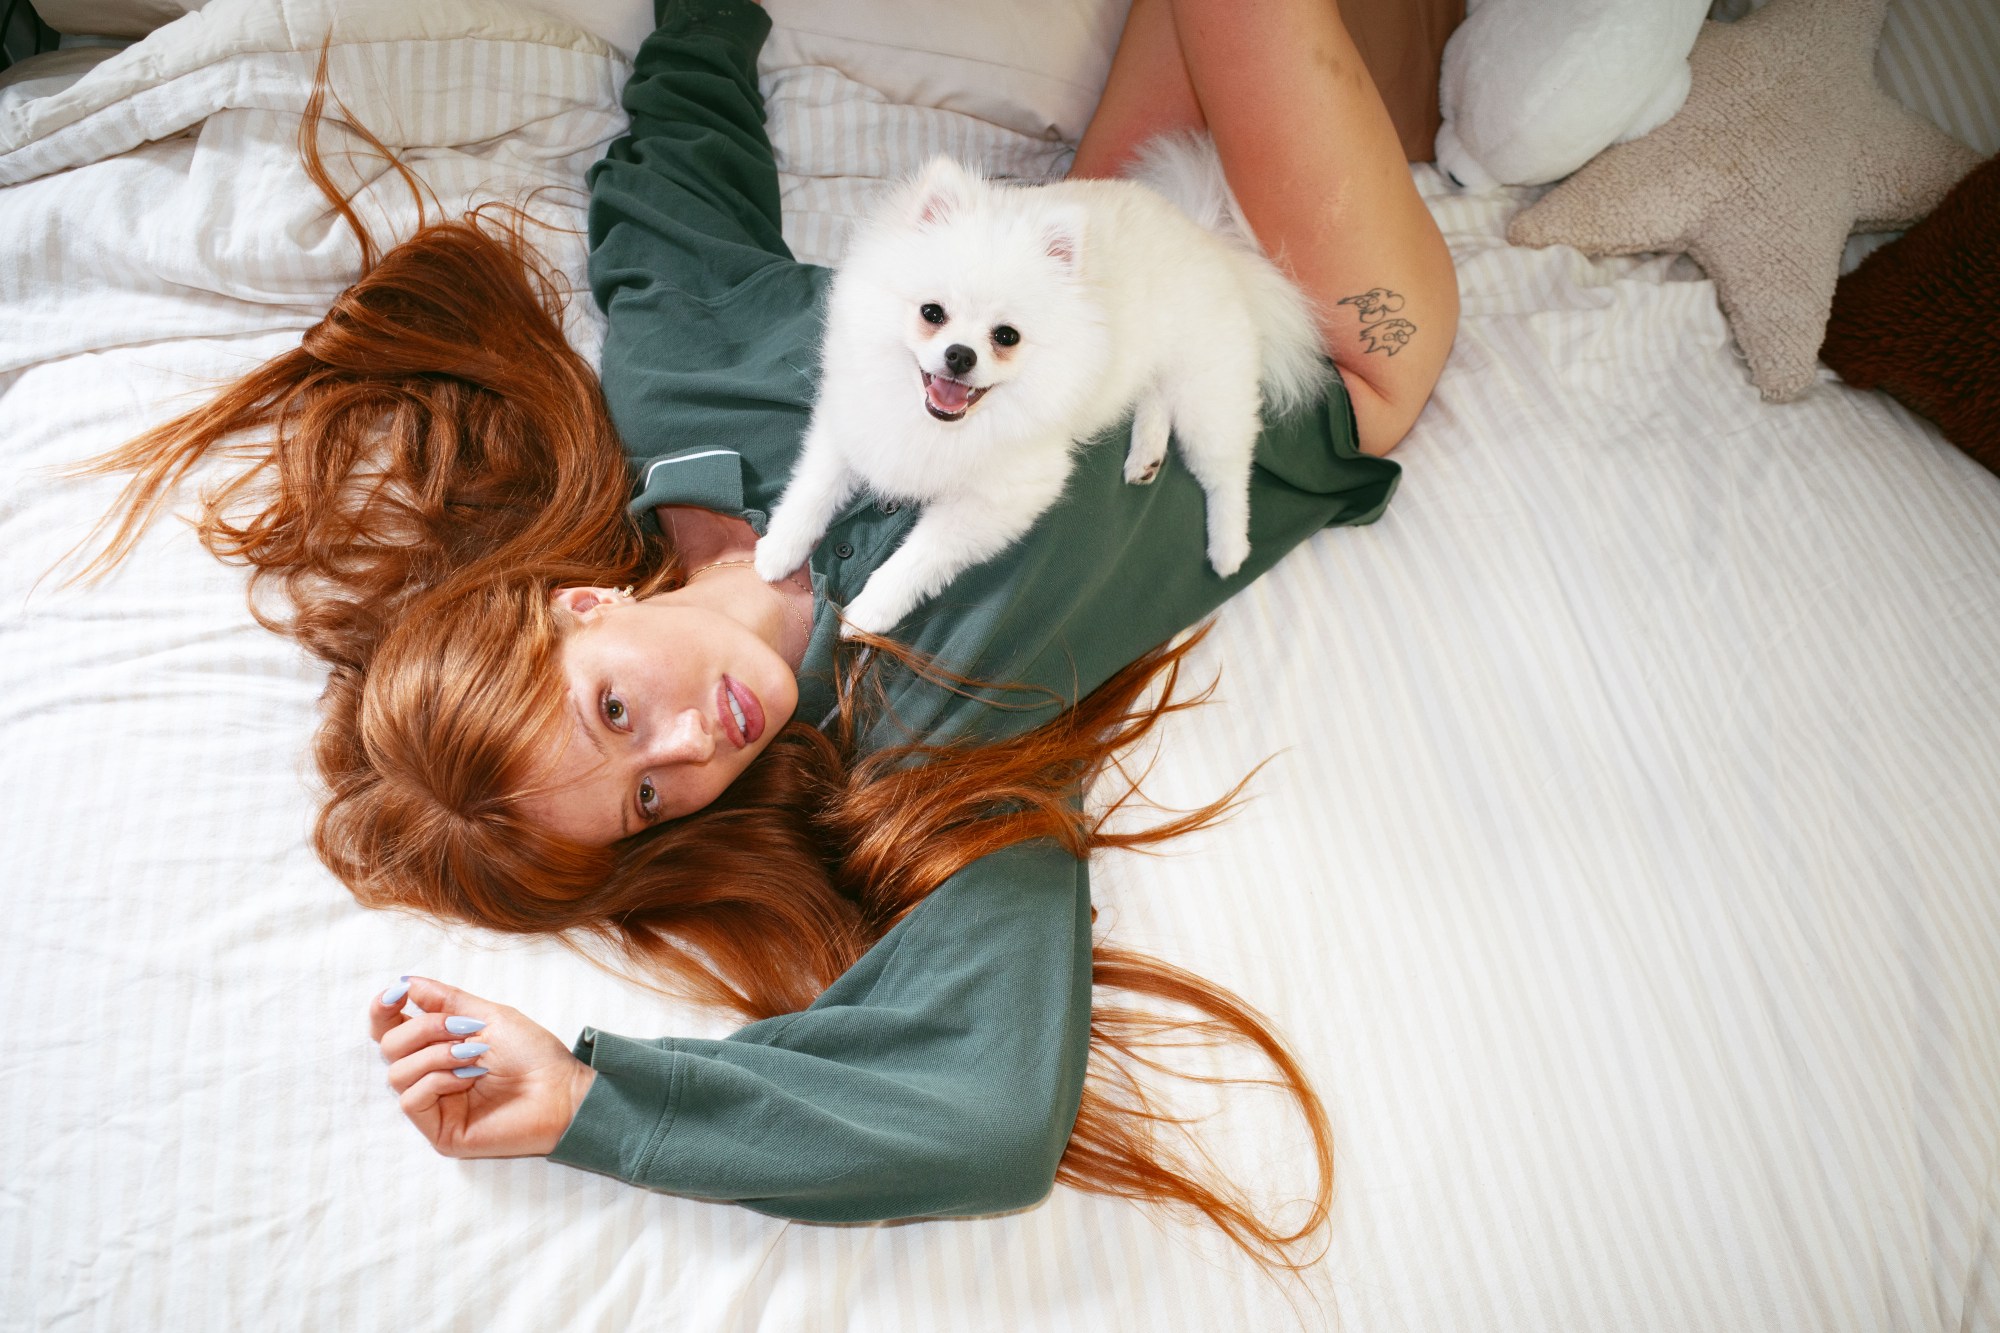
column 941, row 1074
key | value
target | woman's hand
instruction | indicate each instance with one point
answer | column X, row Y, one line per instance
column 518, row 1106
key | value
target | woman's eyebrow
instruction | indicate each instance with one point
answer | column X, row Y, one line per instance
column 583, row 725
column 597, row 744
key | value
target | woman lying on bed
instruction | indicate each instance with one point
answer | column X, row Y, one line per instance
column 532, row 719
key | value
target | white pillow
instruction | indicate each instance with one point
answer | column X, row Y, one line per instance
column 49, row 72
column 623, row 23
column 1533, row 89
column 1034, row 67
column 111, row 18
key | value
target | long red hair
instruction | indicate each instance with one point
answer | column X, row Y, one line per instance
column 420, row 473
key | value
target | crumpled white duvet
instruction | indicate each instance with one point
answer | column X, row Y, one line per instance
column 162, row 196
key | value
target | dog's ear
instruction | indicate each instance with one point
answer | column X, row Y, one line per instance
column 942, row 190
column 1063, row 229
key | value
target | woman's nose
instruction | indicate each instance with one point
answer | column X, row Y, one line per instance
column 688, row 739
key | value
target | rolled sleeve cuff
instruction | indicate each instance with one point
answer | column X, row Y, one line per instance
column 709, row 477
column 629, row 1107
column 1317, row 450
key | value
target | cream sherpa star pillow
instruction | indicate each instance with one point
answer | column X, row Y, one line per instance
column 1784, row 145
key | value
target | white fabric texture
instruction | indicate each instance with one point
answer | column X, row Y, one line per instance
column 1625, row 877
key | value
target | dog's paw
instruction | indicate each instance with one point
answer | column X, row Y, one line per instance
column 1150, row 434
column 776, row 557
column 880, row 606
column 867, row 615
column 858, row 619
column 1140, row 473
column 1227, row 554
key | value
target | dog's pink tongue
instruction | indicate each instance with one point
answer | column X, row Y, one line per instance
column 947, row 395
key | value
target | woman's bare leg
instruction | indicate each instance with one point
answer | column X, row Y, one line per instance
column 1315, row 161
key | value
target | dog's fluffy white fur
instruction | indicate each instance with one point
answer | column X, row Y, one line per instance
column 977, row 332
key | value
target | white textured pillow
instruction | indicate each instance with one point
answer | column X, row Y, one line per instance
column 111, row 18
column 623, row 23
column 1034, row 67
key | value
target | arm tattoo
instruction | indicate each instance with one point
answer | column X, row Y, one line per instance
column 1383, row 333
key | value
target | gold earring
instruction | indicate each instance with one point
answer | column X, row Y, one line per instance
column 625, row 591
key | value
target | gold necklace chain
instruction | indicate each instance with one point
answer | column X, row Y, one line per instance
column 805, row 623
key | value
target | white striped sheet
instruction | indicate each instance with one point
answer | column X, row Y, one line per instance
column 1803, row 1295
column 1941, row 59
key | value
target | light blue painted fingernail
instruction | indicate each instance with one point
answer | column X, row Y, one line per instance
column 469, row 1071
column 467, row 1050
column 463, row 1027
column 396, row 992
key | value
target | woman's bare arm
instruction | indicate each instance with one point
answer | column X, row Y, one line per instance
column 1314, row 159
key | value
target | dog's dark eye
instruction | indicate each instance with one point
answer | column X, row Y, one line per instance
column 1006, row 335
column 933, row 313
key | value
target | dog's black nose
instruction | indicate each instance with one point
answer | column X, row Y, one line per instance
column 960, row 358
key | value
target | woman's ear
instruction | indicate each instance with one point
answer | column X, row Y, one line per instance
column 580, row 602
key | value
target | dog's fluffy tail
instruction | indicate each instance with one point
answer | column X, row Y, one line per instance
column 1184, row 167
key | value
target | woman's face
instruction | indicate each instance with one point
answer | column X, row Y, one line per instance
column 670, row 699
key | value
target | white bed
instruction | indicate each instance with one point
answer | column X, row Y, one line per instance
column 1626, row 877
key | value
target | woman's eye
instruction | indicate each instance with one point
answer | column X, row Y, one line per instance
column 933, row 313
column 1006, row 335
column 614, row 710
column 649, row 797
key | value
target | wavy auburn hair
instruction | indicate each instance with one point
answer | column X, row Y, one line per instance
column 419, row 475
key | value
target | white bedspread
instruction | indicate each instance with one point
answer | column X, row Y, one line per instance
column 1626, row 877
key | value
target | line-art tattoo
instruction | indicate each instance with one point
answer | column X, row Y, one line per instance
column 1383, row 333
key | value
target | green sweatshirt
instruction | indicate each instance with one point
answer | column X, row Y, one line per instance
column 941, row 1074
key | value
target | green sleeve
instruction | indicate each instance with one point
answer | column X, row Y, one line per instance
column 713, row 326
column 939, row 1076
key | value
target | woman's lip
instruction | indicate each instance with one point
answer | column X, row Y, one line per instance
column 753, row 711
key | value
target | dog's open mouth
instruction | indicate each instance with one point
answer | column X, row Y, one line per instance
column 948, row 399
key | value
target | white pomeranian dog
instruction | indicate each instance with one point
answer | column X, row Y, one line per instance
column 977, row 333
